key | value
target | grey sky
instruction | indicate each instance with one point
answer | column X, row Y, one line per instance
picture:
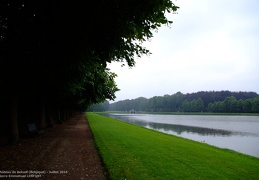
column 212, row 45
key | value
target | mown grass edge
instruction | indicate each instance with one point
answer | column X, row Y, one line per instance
column 132, row 152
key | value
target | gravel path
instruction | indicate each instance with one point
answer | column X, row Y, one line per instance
column 65, row 151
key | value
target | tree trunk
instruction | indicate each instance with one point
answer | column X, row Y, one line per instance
column 49, row 114
column 14, row 136
column 42, row 123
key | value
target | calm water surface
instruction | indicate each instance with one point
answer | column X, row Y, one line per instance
column 239, row 133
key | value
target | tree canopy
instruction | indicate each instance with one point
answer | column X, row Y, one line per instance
column 212, row 101
column 56, row 52
column 61, row 45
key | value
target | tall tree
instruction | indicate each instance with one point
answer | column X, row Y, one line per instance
column 54, row 53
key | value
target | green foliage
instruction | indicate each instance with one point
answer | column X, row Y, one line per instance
column 230, row 104
column 100, row 107
column 132, row 152
column 194, row 102
column 63, row 51
column 195, row 105
column 54, row 54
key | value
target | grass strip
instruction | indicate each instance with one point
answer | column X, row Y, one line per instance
column 133, row 152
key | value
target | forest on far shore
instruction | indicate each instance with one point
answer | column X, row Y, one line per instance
column 203, row 101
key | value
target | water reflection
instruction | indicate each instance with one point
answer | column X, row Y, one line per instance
column 178, row 129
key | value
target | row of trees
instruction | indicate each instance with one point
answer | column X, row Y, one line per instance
column 192, row 102
column 231, row 104
column 53, row 55
column 100, row 107
column 196, row 105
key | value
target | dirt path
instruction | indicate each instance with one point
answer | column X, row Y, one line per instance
column 65, row 151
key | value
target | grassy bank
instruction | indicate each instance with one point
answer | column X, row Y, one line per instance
column 132, row 152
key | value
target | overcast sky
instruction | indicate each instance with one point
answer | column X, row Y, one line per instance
column 212, row 45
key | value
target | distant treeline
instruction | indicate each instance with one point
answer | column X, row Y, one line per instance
column 206, row 101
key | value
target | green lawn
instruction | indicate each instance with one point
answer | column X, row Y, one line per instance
column 132, row 152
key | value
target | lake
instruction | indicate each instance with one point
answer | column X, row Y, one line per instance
column 239, row 133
